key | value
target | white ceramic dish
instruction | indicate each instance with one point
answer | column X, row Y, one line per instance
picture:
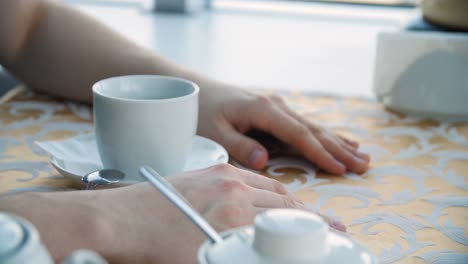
column 423, row 73
column 204, row 153
column 281, row 236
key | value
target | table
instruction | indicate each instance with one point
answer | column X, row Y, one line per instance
column 410, row 207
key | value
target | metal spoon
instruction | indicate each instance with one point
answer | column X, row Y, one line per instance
column 178, row 200
column 102, row 177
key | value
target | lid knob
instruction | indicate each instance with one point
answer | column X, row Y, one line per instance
column 290, row 234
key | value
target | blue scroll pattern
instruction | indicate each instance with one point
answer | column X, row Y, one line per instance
column 414, row 185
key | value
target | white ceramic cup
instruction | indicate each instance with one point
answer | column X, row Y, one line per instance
column 145, row 120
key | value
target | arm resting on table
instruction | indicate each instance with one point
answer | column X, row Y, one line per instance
column 49, row 45
column 64, row 220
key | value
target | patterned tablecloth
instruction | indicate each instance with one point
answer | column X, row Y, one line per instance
column 410, row 207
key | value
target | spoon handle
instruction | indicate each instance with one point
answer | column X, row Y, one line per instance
column 163, row 186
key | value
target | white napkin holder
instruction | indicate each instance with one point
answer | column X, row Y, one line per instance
column 423, row 73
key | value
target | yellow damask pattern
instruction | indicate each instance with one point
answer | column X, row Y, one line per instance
column 410, row 207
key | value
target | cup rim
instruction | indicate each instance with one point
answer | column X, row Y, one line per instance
column 195, row 91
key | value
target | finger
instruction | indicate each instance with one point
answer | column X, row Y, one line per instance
column 353, row 150
column 244, row 149
column 351, row 161
column 263, row 182
column 353, row 143
column 348, row 144
column 364, row 156
column 291, row 131
column 283, row 106
column 266, row 199
column 331, row 222
column 308, row 123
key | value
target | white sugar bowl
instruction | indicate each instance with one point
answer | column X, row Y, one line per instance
column 284, row 236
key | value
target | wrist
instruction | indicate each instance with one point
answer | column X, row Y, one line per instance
column 66, row 221
column 95, row 228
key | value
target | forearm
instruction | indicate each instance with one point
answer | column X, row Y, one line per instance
column 124, row 225
column 63, row 52
column 65, row 223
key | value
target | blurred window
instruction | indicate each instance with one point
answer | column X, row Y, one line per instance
column 408, row 3
column 401, row 3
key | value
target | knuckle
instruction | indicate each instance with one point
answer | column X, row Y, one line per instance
column 223, row 168
column 299, row 134
column 261, row 109
column 326, row 140
column 278, row 99
column 263, row 100
column 278, row 187
column 320, row 131
column 288, row 202
column 300, row 131
column 231, row 185
column 347, row 158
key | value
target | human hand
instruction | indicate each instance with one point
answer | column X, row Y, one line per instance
column 155, row 231
column 136, row 224
column 227, row 113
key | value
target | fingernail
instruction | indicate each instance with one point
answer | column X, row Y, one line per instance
column 364, row 156
column 342, row 166
column 338, row 226
column 361, row 161
column 298, row 201
column 256, row 156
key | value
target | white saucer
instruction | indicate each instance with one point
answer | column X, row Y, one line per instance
column 76, row 157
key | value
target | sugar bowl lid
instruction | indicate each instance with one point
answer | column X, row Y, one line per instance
column 285, row 236
column 11, row 235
